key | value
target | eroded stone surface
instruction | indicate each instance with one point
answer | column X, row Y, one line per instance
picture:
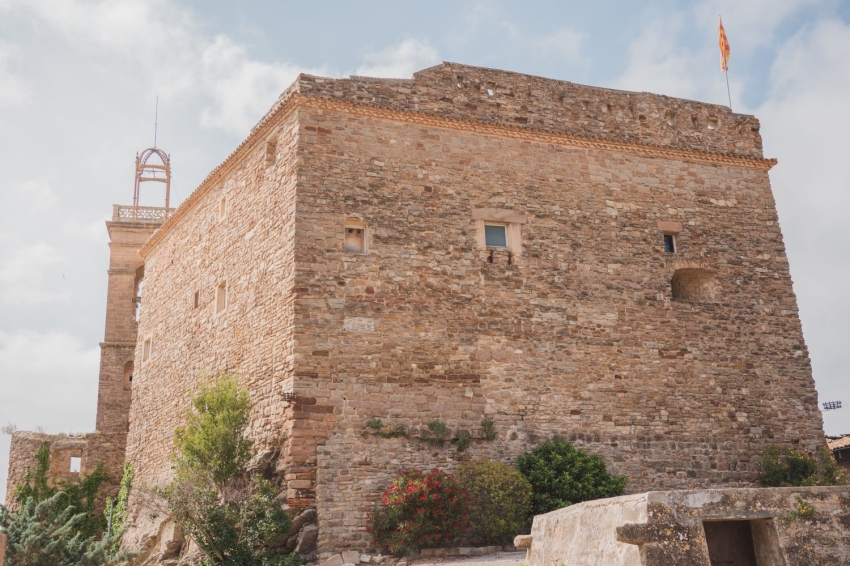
column 571, row 329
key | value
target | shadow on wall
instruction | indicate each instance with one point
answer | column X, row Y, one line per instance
column 695, row 284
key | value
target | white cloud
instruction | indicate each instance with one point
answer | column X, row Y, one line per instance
column 804, row 123
column 752, row 23
column 49, row 380
column 564, row 44
column 658, row 64
column 37, row 193
column 399, row 61
column 13, row 88
column 22, row 272
column 242, row 88
column 177, row 59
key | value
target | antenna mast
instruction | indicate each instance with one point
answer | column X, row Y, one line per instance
column 155, row 119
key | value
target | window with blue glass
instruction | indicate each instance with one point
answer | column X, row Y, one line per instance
column 496, row 235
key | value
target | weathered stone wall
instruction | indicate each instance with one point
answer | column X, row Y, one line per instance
column 93, row 449
column 249, row 249
column 572, row 331
column 667, row 528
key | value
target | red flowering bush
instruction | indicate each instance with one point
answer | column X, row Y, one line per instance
column 418, row 511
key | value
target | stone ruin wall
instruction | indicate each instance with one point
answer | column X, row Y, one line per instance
column 93, row 449
column 578, row 336
column 250, row 249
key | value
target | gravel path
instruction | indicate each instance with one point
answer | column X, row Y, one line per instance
column 498, row 559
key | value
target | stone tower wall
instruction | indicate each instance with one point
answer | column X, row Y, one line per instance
column 574, row 332
column 579, row 336
column 250, row 249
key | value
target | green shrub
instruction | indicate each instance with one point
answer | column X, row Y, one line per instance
column 440, row 433
column 462, row 441
column 500, row 500
column 561, row 475
column 375, row 424
column 489, row 430
column 234, row 516
column 47, row 533
column 418, row 511
column 786, row 467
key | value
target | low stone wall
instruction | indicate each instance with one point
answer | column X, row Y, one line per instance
column 769, row 526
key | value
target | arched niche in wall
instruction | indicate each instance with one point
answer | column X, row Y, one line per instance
column 694, row 284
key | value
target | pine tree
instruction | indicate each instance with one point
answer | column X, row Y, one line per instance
column 46, row 534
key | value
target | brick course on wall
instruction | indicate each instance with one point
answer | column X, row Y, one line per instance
column 571, row 331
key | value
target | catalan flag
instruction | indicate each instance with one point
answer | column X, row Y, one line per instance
column 724, row 47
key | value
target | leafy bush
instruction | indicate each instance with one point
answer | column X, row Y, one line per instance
column 116, row 509
column 786, row 467
column 489, row 429
column 561, row 475
column 233, row 517
column 213, row 439
column 418, row 511
column 500, row 499
column 47, row 534
column 440, row 433
column 80, row 496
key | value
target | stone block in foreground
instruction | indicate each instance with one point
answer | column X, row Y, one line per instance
column 740, row 527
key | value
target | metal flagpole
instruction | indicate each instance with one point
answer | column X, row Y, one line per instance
column 728, row 92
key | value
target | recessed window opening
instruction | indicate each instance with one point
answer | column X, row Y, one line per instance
column 694, row 284
column 713, row 123
column 490, row 92
column 695, row 122
column 496, row 235
column 670, row 116
column 221, row 297
column 146, row 350
column 197, row 299
column 222, row 207
column 76, row 464
column 670, row 243
column 128, row 372
column 460, row 81
column 355, row 239
column 271, row 151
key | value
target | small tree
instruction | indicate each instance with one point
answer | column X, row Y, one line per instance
column 561, row 475
column 419, row 510
column 786, row 467
column 500, row 500
column 47, row 533
column 233, row 517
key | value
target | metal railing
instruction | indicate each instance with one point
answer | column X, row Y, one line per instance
column 145, row 214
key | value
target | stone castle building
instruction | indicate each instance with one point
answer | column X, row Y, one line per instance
column 471, row 245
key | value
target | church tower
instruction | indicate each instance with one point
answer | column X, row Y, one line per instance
column 129, row 229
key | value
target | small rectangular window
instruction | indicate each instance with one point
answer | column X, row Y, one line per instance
column 197, row 298
column 670, row 243
column 76, row 464
column 495, row 236
column 146, row 350
column 355, row 239
column 221, row 298
column 222, row 208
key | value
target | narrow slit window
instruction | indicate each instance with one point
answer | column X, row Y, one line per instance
column 495, row 236
column 271, row 151
column 669, row 243
column 222, row 208
column 197, row 299
column 76, row 464
column 221, row 298
column 146, row 350
column 355, row 239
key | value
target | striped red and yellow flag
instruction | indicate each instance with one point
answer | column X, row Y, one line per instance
column 724, row 47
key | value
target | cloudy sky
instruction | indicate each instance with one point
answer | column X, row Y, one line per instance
column 79, row 80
